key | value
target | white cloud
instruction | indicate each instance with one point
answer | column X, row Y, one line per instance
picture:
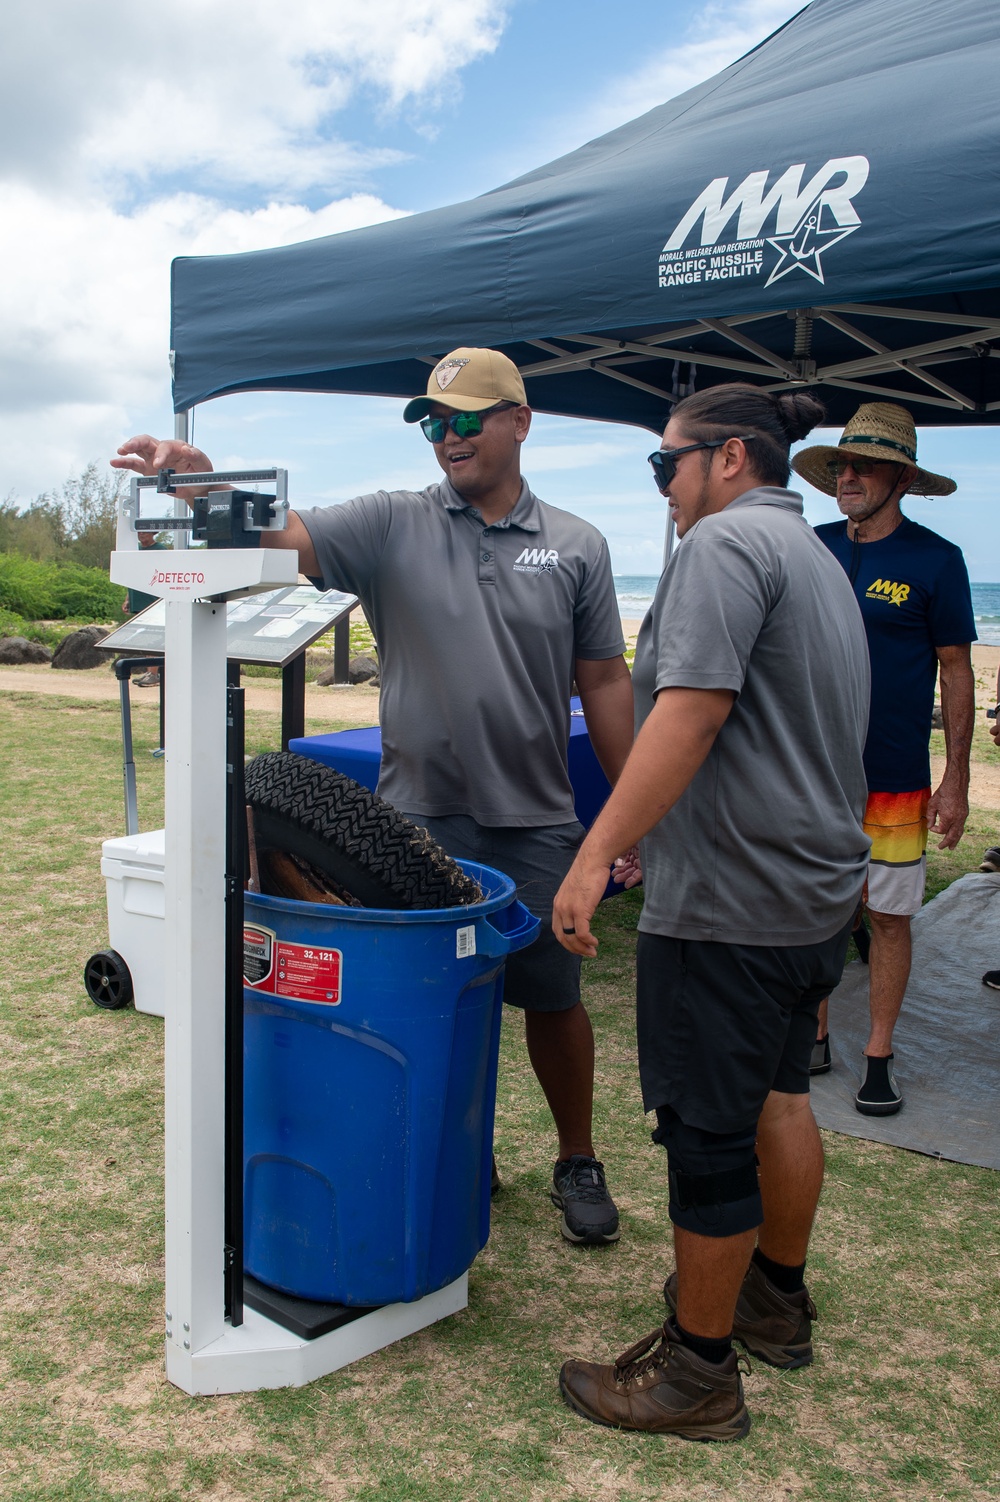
column 233, row 92
column 106, row 108
column 718, row 34
column 549, row 457
column 84, row 312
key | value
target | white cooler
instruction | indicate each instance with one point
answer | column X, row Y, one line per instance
column 132, row 868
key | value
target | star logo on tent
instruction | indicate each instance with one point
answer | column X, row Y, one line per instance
column 804, row 248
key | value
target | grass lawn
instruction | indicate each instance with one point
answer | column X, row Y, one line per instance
column 902, row 1401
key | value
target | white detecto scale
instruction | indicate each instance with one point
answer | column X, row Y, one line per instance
column 213, row 1343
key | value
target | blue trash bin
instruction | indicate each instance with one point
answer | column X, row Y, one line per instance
column 371, row 1043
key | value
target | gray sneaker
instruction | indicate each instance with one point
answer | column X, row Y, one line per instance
column 590, row 1215
column 774, row 1326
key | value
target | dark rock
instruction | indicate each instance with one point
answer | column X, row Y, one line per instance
column 362, row 669
column 17, row 649
column 79, row 649
column 937, row 721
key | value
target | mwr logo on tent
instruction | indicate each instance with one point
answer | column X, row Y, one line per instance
column 807, row 222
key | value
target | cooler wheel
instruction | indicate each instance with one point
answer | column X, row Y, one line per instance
column 107, row 979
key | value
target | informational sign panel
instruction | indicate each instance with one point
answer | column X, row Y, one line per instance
column 270, row 628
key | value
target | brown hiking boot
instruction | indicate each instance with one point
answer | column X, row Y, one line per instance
column 774, row 1326
column 660, row 1388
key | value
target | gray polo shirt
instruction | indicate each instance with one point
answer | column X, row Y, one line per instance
column 478, row 628
column 765, row 846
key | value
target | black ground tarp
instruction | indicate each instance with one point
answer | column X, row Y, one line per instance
column 846, row 171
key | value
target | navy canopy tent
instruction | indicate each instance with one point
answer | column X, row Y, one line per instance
column 825, row 212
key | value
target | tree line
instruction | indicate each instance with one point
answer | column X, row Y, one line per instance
column 75, row 525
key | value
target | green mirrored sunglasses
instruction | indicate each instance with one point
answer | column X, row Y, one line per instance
column 462, row 424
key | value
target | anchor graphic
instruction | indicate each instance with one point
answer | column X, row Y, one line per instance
column 805, row 246
column 802, row 249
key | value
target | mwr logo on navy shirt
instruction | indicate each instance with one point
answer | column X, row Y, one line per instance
column 889, row 591
column 536, row 561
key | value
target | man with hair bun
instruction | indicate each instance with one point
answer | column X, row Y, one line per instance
column 751, row 688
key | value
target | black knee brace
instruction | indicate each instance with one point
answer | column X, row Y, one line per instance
column 714, row 1189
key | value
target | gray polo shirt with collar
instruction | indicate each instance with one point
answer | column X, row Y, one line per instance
column 765, row 846
column 478, row 628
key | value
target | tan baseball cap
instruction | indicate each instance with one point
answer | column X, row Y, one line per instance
column 470, row 380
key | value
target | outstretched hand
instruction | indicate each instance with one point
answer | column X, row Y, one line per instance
column 145, row 455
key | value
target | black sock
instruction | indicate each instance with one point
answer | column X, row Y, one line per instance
column 708, row 1347
column 786, row 1279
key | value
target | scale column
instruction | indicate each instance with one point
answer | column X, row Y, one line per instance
column 194, row 1042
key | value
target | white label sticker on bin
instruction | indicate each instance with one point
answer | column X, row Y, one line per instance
column 465, row 942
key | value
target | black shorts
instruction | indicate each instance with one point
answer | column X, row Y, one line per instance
column 545, row 977
column 721, row 1025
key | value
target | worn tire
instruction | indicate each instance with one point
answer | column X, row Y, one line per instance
column 351, row 835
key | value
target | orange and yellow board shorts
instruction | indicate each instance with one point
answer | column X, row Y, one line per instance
column 896, row 824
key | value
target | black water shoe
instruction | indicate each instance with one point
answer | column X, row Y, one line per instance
column 879, row 1094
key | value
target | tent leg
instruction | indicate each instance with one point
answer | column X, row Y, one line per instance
column 183, row 426
column 670, row 537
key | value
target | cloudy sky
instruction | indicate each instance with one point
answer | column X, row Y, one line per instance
column 137, row 133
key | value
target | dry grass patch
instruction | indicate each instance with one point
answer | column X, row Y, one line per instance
column 902, row 1401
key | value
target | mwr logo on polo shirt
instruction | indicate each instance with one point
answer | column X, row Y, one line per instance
column 536, row 561
column 885, row 589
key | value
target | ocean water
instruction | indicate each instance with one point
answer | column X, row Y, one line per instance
column 635, row 595
column 986, row 604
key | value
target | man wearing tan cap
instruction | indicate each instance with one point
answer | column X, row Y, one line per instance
column 486, row 605
column 913, row 589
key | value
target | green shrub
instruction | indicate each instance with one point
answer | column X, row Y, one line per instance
column 49, row 634
column 12, row 624
column 24, row 586
column 57, row 591
column 87, row 593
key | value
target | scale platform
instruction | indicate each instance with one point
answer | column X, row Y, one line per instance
column 261, row 1354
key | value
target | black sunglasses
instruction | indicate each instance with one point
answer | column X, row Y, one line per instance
column 462, row 424
column 664, row 461
column 863, row 467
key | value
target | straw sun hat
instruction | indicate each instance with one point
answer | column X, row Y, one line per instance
column 878, row 430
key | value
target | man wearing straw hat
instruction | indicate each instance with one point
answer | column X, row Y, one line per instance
column 913, row 589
